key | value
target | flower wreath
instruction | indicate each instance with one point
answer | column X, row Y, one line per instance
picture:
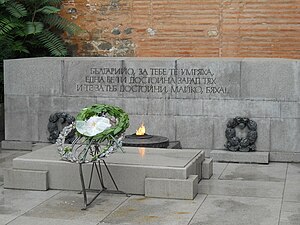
column 244, row 144
column 97, row 125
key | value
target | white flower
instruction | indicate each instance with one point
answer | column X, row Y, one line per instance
column 93, row 126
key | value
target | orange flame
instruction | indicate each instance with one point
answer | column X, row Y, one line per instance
column 141, row 130
column 142, row 151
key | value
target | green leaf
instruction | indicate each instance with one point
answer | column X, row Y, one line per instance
column 53, row 43
column 48, row 10
column 16, row 9
column 34, row 27
column 3, row 1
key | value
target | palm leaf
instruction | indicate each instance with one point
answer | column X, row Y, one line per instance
column 6, row 26
column 16, row 9
column 48, row 10
column 33, row 27
column 60, row 23
column 53, row 43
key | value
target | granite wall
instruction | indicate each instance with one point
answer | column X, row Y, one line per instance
column 186, row 99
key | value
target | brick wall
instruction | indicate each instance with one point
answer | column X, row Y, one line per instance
column 186, row 28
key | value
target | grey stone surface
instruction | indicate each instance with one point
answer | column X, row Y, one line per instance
column 218, row 169
column 78, row 72
column 291, row 191
column 16, row 145
column 293, row 172
column 194, row 132
column 285, row 135
column 290, row 110
column 27, row 220
column 189, row 107
column 14, row 203
column 263, row 130
column 172, row 188
column 243, row 108
column 256, row 82
column 284, row 157
column 246, row 157
column 290, row 213
column 241, row 188
column 67, row 206
column 272, row 172
column 141, row 210
column 26, row 179
column 226, row 73
column 155, row 163
column 207, row 168
column 223, row 210
column 33, row 76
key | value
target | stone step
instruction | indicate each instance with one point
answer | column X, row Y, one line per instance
column 240, row 157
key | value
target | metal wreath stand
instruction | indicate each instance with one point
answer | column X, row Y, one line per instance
column 87, row 150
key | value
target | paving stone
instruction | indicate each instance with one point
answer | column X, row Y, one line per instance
column 242, row 157
column 293, row 172
column 290, row 213
column 291, row 190
column 272, row 172
column 241, row 188
column 142, row 210
column 67, row 206
column 224, row 210
column 14, row 203
column 27, row 220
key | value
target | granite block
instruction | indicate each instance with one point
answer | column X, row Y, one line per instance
column 290, row 213
column 207, row 168
column 285, row 135
column 194, row 132
column 172, row 188
column 92, row 77
column 290, row 110
column 284, row 157
column 33, row 76
column 189, row 107
column 256, row 82
column 26, row 179
column 214, row 76
column 243, row 108
column 16, row 145
column 242, row 157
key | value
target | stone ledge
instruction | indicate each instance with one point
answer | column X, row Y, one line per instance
column 172, row 188
column 16, row 145
column 207, row 168
column 26, row 179
column 241, row 157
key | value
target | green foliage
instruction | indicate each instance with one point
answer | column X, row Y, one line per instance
column 32, row 28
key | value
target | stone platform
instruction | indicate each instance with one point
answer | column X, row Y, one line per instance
column 148, row 171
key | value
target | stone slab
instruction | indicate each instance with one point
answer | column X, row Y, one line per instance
column 242, row 157
column 154, row 211
column 229, row 210
column 172, row 188
column 207, row 168
column 242, row 188
column 16, row 145
column 290, row 213
column 129, row 169
column 26, row 179
column 285, row 157
column 252, row 172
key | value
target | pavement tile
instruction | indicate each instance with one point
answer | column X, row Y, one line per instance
column 67, row 206
column 225, row 210
column 142, row 210
column 26, row 220
column 14, row 203
column 290, row 213
column 293, row 172
column 292, row 191
column 255, row 172
column 241, row 188
column 218, row 169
